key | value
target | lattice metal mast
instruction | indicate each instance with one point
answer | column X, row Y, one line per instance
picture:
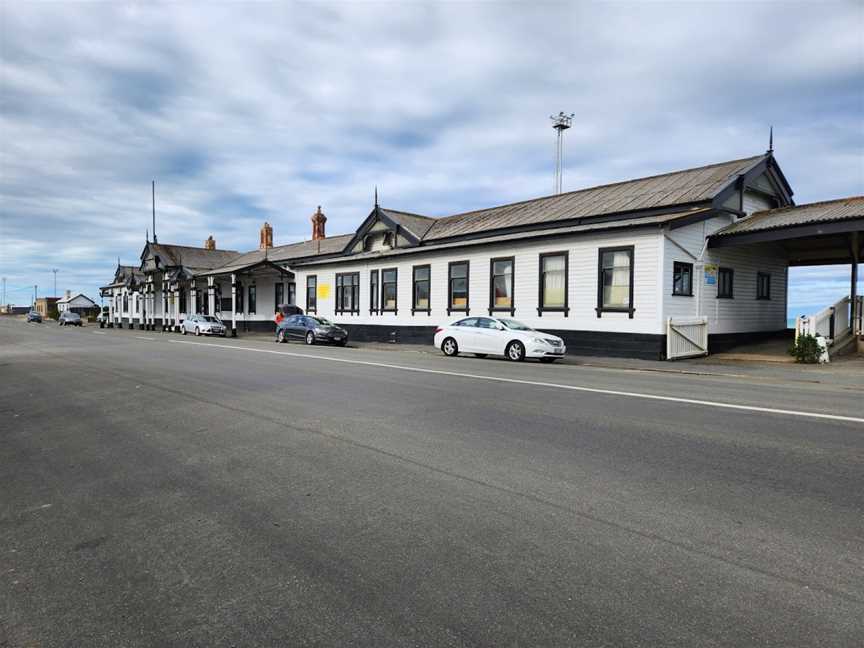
column 560, row 123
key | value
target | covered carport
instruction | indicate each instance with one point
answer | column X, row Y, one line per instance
column 815, row 234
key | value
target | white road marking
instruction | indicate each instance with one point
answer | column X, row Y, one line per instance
column 140, row 337
column 100, row 333
column 535, row 383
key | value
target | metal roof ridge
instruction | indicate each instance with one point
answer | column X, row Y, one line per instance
column 754, row 158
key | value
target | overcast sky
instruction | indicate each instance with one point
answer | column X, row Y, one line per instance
column 246, row 112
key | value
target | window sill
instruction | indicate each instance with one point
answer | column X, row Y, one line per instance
column 559, row 309
column 450, row 311
column 602, row 310
column 763, row 299
column 682, row 294
column 428, row 311
column 512, row 311
column 385, row 310
column 725, row 297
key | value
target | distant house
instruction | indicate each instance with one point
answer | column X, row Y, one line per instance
column 47, row 306
column 79, row 303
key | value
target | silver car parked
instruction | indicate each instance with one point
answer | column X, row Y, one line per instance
column 203, row 325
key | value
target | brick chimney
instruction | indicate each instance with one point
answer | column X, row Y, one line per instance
column 210, row 243
column 318, row 220
column 266, row 237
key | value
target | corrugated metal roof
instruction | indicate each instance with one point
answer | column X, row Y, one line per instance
column 656, row 219
column 281, row 253
column 666, row 190
column 819, row 212
column 415, row 223
column 191, row 257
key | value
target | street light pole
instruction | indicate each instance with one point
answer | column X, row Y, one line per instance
column 54, row 270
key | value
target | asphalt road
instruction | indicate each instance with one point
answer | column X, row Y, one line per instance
column 157, row 490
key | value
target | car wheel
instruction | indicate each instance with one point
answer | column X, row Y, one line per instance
column 342, row 343
column 480, row 355
column 280, row 336
column 310, row 338
column 197, row 331
column 449, row 347
column 184, row 330
column 515, row 351
column 548, row 360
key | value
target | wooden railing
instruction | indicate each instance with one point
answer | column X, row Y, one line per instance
column 832, row 323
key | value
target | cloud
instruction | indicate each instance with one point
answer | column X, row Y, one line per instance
column 262, row 111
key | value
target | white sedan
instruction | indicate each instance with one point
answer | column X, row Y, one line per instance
column 203, row 325
column 484, row 336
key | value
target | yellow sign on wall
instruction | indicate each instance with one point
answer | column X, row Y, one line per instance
column 323, row 291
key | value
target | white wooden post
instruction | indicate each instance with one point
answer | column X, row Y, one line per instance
column 233, row 305
column 111, row 309
column 164, row 304
column 193, row 298
column 177, row 290
column 211, row 296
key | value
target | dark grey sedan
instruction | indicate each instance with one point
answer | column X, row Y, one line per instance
column 310, row 329
column 68, row 318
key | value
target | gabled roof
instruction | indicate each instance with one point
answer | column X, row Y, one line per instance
column 674, row 219
column 281, row 253
column 70, row 298
column 697, row 185
column 828, row 211
column 415, row 223
column 194, row 258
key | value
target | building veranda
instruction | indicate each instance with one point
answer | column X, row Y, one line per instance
column 611, row 269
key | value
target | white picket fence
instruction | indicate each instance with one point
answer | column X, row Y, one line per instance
column 686, row 338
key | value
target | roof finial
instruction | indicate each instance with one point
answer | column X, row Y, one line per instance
column 770, row 150
column 376, row 196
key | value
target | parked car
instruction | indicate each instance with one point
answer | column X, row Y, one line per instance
column 310, row 329
column 33, row 316
column 68, row 318
column 502, row 336
column 288, row 310
column 203, row 325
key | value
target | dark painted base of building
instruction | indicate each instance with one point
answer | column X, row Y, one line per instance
column 589, row 343
column 252, row 327
column 719, row 342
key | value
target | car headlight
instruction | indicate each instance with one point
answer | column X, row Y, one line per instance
column 538, row 341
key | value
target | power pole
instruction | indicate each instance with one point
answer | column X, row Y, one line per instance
column 54, row 270
column 35, row 294
column 4, row 292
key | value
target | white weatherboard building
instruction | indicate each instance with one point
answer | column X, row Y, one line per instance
column 645, row 268
column 79, row 303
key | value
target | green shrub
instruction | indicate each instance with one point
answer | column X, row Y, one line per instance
column 805, row 349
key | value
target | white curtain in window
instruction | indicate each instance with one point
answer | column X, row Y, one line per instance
column 554, row 281
column 616, row 279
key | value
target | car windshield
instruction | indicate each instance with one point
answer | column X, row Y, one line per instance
column 513, row 325
column 320, row 320
column 210, row 318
